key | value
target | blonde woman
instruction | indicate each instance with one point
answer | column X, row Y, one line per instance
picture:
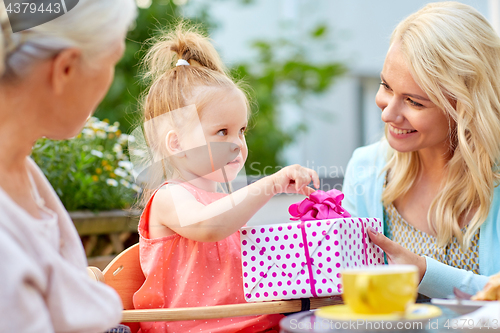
column 434, row 177
column 52, row 77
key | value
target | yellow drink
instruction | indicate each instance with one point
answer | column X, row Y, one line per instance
column 381, row 289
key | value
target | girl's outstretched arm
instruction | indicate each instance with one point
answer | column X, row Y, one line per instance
column 175, row 208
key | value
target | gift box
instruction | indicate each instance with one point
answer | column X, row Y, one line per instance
column 304, row 259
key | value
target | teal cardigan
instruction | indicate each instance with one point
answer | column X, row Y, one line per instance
column 363, row 185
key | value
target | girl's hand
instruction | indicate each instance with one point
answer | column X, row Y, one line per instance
column 397, row 254
column 294, row 179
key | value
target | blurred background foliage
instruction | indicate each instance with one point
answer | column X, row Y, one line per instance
column 121, row 101
column 275, row 79
column 91, row 171
column 266, row 75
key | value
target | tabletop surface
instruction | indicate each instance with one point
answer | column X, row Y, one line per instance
column 307, row 322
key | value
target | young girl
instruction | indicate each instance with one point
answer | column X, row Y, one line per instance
column 196, row 117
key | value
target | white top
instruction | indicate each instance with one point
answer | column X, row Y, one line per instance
column 44, row 285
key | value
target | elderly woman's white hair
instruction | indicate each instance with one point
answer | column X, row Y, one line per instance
column 91, row 26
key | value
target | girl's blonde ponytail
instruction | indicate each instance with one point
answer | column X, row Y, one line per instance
column 186, row 43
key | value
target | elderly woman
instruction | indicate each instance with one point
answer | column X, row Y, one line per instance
column 52, row 77
column 433, row 179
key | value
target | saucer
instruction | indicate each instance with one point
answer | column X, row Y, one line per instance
column 460, row 306
column 415, row 312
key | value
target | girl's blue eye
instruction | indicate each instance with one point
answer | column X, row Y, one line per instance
column 222, row 132
column 383, row 84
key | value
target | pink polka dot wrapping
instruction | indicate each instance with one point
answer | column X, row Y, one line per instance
column 274, row 273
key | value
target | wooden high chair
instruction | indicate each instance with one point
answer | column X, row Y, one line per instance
column 124, row 274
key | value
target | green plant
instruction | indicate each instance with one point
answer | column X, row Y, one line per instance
column 279, row 64
column 282, row 72
column 90, row 171
column 121, row 101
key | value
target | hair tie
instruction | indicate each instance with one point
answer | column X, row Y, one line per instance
column 181, row 62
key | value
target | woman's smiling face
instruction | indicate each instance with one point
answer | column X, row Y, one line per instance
column 414, row 123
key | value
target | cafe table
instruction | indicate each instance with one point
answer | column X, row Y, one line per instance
column 307, row 322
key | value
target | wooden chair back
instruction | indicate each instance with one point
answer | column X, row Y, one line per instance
column 125, row 275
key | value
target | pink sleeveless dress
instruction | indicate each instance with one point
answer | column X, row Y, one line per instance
column 184, row 273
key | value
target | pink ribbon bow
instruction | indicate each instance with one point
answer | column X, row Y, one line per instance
column 319, row 205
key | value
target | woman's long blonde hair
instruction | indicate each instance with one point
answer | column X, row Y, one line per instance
column 177, row 88
column 454, row 55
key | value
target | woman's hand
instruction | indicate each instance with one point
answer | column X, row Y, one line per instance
column 397, row 254
column 294, row 179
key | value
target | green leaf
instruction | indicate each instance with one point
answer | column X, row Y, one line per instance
column 319, row 31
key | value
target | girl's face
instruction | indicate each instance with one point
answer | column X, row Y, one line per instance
column 413, row 122
column 223, row 122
